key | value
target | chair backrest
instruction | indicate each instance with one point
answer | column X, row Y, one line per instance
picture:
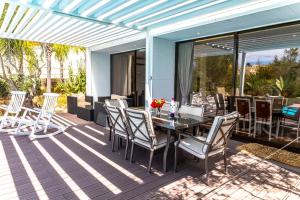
column 243, row 107
column 198, row 99
column 140, row 125
column 192, row 110
column 221, row 90
column 292, row 113
column 16, row 101
column 123, row 103
column 117, row 119
column 220, row 131
column 117, row 103
column 50, row 101
column 220, row 102
column 167, row 106
column 263, row 109
column 277, row 102
column 259, row 98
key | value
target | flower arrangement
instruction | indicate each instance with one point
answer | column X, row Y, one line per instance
column 158, row 103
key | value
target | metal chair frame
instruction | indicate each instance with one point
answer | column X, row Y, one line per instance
column 149, row 137
column 211, row 143
column 282, row 123
column 268, row 122
column 244, row 118
column 119, row 126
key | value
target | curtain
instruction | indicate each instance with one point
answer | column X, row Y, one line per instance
column 185, row 69
column 121, row 80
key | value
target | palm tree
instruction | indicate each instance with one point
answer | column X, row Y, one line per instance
column 48, row 50
column 61, row 53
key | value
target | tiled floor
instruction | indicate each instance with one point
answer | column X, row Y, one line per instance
column 79, row 164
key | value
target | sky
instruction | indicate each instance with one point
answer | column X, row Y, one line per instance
column 264, row 57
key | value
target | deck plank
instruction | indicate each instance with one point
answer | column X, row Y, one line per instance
column 248, row 177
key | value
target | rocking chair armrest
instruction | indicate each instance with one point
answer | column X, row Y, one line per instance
column 37, row 109
column 3, row 107
column 30, row 110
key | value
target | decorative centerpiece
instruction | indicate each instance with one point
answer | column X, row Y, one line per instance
column 158, row 104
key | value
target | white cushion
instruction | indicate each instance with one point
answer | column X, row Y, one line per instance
column 117, row 97
column 160, row 141
column 195, row 147
column 192, row 110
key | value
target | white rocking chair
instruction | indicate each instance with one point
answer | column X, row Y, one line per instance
column 12, row 111
column 39, row 123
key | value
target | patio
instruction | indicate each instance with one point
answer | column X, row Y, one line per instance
column 79, row 164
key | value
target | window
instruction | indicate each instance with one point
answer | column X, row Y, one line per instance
column 271, row 64
column 213, row 63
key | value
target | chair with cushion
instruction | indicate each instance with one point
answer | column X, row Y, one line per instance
column 278, row 102
column 198, row 99
column 143, row 135
column 167, row 106
column 85, row 108
column 116, row 103
column 192, row 110
column 243, row 107
column 215, row 143
column 196, row 111
column 220, row 104
column 263, row 115
column 119, row 126
column 100, row 114
column 290, row 119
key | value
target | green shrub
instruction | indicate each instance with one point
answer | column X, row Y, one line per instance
column 4, row 88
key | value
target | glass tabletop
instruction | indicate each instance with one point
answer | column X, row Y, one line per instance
column 180, row 121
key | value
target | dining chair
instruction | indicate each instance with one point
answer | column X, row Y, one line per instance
column 167, row 106
column 198, row 99
column 143, row 134
column 192, row 110
column 122, row 103
column 215, row 143
column 263, row 115
column 277, row 102
column 243, row 107
column 220, row 104
column 119, row 126
column 196, row 111
column 290, row 119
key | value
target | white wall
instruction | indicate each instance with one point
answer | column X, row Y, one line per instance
column 100, row 75
column 163, row 69
column 160, row 70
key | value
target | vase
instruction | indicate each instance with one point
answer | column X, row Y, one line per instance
column 157, row 111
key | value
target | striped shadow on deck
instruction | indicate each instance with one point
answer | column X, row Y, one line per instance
column 79, row 164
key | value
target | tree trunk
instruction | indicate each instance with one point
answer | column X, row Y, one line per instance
column 61, row 71
column 48, row 49
column 21, row 65
column 2, row 67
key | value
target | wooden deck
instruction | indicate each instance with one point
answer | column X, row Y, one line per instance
column 79, row 164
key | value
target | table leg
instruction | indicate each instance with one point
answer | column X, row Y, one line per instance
column 277, row 126
column 166, row 151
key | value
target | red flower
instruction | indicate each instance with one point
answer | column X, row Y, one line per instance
column 158, row 103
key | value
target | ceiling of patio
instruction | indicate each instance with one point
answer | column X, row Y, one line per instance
column 92, row 22
column 260, row 40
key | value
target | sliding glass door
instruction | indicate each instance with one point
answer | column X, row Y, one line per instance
column 128, row 75
column 259, row 64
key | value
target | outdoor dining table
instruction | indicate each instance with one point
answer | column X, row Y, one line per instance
column 173, row 125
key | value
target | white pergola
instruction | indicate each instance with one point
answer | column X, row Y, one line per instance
column 89, row 23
